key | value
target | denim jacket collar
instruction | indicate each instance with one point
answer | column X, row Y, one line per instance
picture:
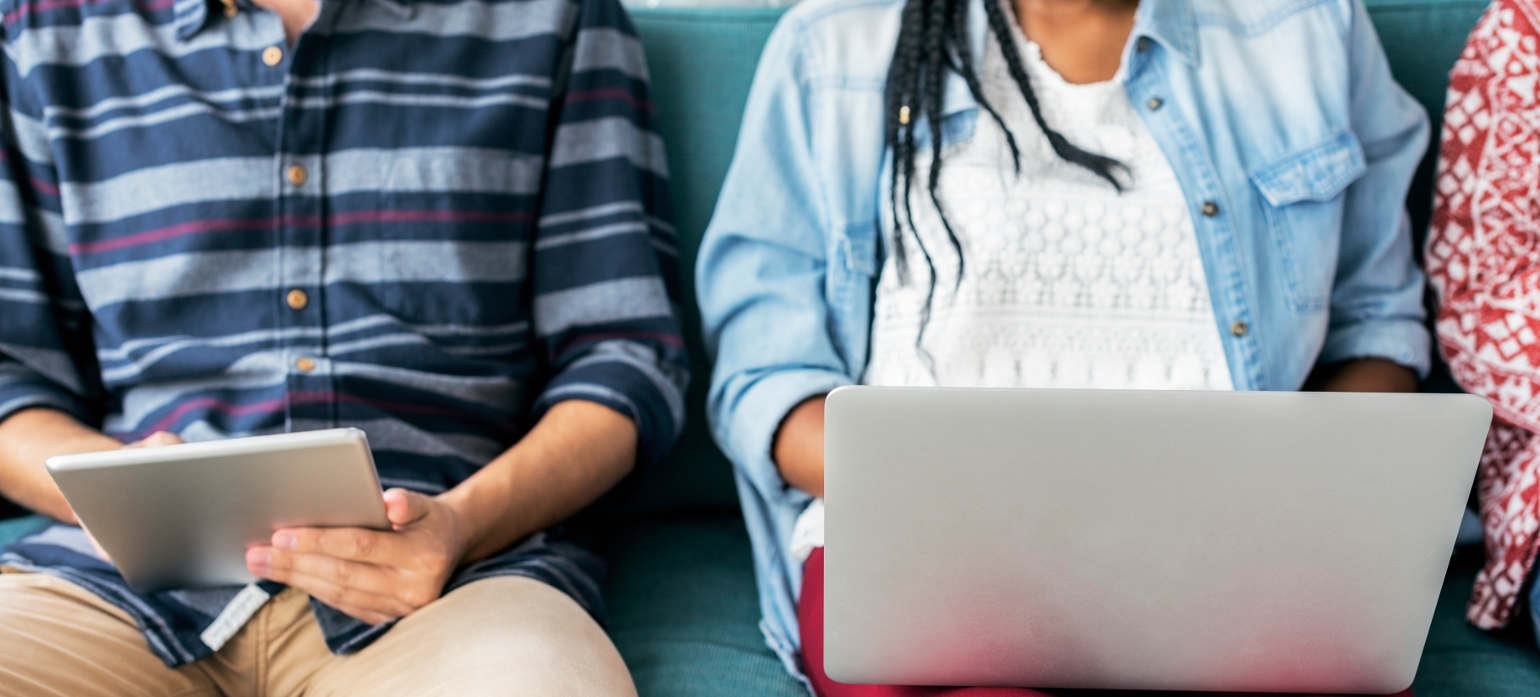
column 1172, row 24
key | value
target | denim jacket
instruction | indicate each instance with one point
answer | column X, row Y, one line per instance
column 1293, row 145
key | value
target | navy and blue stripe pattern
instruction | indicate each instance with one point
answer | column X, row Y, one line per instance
column 429, row 219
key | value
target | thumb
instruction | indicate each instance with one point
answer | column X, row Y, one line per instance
column 404, row 507
column 158, row 439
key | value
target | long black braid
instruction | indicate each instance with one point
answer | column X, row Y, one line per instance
column 932, row 39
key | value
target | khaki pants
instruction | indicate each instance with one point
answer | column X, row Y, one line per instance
column 501, row 636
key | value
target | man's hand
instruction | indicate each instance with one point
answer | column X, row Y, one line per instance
column 576, row 452
column 156, row 440
column 372, row 575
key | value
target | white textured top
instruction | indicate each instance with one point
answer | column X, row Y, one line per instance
column 1068, row 283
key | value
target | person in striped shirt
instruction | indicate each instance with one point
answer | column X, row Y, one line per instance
column 440, row 221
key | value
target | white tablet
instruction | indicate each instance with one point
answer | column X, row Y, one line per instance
column 182, row 516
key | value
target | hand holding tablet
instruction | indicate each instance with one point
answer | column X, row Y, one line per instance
column 183, row 516
column 375, row 576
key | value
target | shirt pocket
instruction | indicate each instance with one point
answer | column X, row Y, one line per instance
column 452, row 238
column 1303, row 204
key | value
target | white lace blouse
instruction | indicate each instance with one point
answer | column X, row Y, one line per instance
column 1069, row 284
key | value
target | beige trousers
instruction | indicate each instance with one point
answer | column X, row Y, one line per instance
column 502, row 637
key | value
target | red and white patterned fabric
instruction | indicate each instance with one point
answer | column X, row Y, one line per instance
column 1483, row 259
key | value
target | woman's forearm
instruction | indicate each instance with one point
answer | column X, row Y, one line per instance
column 798, row 447
column 1363, row 375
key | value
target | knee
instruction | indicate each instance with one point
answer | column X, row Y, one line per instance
column 533, row 640
column 526, row 661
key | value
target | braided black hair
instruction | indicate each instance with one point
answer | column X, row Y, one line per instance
column 932, row 39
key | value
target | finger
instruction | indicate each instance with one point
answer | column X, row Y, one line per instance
column 164, row 438
column 367, row 607
column 268, row 562
column 404, row 507
column 157, row 439
column 354, row 544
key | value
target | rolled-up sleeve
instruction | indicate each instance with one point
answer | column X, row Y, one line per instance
column 1377, row 295
column 46, row 359
column 762, row 274
column 604, row 266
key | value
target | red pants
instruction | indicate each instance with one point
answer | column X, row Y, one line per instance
column 810, row 615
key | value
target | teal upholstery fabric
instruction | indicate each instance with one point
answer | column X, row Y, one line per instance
column 683, row 611
column 1462, row 661
column 702, row 62
column 681, row 593
column 682, row 603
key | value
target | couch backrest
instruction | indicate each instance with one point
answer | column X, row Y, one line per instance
column 702, row 62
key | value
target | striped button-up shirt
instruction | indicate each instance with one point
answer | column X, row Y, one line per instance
column 429, row 219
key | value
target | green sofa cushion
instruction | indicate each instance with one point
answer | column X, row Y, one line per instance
column 1462, row 661
column 684, row 612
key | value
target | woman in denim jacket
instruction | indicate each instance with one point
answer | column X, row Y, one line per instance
column 1161, row 194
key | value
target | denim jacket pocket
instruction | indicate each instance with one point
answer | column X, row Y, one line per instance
column 1303, row 194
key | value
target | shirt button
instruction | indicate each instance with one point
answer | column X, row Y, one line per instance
column 1154, row 103
column 297, row 299
column 272, row 56
column 297, row 175
column 1210, row 209
column 304, row 365
column 1240, row 329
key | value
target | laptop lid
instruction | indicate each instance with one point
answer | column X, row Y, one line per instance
column 1236, row 541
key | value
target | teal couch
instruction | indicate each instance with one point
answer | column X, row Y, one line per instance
column 682, row 604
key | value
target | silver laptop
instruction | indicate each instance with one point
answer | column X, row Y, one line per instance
column 1245, row 542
